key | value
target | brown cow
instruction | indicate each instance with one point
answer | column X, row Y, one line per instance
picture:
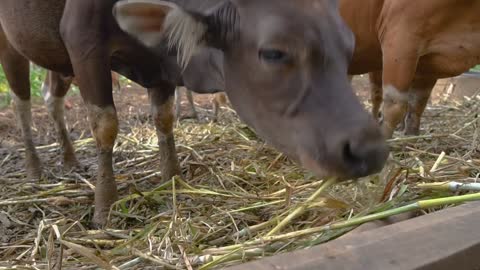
column 285, row 73
column 414, row 44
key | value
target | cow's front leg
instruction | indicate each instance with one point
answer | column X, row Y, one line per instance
column 84, row 36
column 162, row 103
column 104, row 126
column 95, row 82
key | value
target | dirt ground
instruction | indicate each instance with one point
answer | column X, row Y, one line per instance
column 132, row 101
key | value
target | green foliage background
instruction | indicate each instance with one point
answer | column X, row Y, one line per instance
column 37, row 75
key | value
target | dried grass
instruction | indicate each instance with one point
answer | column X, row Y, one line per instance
column 236, row 190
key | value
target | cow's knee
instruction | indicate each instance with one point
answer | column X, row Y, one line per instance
column 395, row 105
column 104, row 126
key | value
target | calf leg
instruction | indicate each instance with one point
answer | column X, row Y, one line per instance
column 161, row 100
column 17, row 72
column 95, row 82
column 104, row 125
column 178, row 104
column 193, row 113
column 219, row 99
column 54, row 90
column 419, row 94
column 90, row 58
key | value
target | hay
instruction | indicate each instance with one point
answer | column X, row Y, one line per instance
column 240, row 199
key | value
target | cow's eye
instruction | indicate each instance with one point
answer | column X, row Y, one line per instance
column 273, row 55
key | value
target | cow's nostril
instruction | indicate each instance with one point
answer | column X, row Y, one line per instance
column 348, row 156
column 361, row 157
column 355, row 160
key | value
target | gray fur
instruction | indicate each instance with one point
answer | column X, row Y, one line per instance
column 185, row 33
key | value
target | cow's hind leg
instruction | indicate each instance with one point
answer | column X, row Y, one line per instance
column 419, row 94
column 54, row 90
column 17, row 72
column 193, row 111
column 399, row 67
column 376, row 92
column 178, row 104
column 162, row 100
column 218, row 100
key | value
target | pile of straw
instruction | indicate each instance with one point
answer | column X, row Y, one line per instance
column 238, row 200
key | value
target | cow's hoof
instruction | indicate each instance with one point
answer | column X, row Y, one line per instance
column 188, row 116
column 387, row 131
column 34, row 168
column 100, row 219
column 170, row 171
column 70, row 163
column 412, row 131
column 34, row 174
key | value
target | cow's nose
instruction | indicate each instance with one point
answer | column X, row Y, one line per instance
column 362, row 152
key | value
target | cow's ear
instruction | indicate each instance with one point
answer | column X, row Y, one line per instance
column 216, row 28
column 143, row 19
column 220, row 25
column 186, row 30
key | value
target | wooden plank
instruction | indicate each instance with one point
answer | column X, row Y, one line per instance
column 445, row 240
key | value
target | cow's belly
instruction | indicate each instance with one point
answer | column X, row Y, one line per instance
column 450, row 54
column 445, row 65
column 365, row 60
column 32, row 28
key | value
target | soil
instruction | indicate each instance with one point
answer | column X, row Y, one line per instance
column 132, row 101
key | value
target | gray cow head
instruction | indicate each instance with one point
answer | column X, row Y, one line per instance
column 285, row 71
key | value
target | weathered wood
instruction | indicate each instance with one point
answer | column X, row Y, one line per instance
column 444, row 240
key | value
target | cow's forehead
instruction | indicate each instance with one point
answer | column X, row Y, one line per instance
column 291, row 7
column 284, row 19
column 286, row 13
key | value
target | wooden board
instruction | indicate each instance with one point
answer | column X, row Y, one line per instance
column 445, row 240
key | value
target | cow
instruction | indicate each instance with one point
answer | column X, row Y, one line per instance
column 407, row 47
column 285, row 67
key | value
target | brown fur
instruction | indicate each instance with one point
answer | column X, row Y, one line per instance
column 54, row 89
column 413, row 45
